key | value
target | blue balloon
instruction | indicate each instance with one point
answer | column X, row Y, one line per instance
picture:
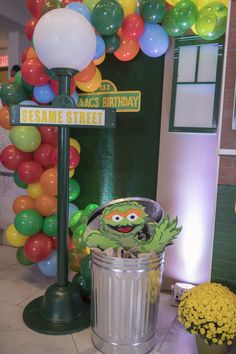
column 28, row 103
column 81, row 9
column 43, row 94
column 154, row 41
column 72, row 209
column 75, row 97
column 100, row 47
column 49, row 266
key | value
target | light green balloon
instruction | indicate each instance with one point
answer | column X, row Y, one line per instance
column 90, row 4
column 211, row 21
column 26, row 139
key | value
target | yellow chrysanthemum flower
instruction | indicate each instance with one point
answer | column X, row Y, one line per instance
column 209, row 310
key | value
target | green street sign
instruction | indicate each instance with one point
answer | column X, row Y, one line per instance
column 70, row 117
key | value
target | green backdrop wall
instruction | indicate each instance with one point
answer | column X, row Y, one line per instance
column 122, row 162
column 224, row 249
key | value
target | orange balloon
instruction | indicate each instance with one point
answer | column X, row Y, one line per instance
column 91, row 85
column 87, row 74
column 100, row 60
column 5, row 118
column 48, row 181
column 46, row 205
column 128, row 48
column 23, row 202
column 31, row 54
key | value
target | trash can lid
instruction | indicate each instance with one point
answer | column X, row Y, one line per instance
column 152, row 208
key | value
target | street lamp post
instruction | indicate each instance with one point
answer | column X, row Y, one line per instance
column 65, row 42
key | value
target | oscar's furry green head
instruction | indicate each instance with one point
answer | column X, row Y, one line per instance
column 123, row 219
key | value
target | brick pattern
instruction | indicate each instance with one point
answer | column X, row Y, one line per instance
column 227, row 172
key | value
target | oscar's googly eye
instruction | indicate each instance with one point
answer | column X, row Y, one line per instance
column 117, row 218
column 132, row 217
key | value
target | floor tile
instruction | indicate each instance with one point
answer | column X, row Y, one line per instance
column 166, row 316
column 14, row 292
column 30, row 275
column 7, row 256
column 11, row 317
column 83, row 342
column 26, row 301
column 177, row 341
column 27, row 341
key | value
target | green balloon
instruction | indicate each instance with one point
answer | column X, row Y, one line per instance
column 107, row 17
column 28, row 222
column 50, row 5
column 90, row 4
column 21, row 257
column 17, row 77
column 79, row 243
column 89, row 209
column 112, row 42
column 50, row 225
column 85, row 268
column 153, row 11
column 211, row 21
column 74, row 189
column 26, row 138
column 13, row 93
column 170, row 25
column 84, row 285
column 185, row 14
column 75, row 219
column 18, row 181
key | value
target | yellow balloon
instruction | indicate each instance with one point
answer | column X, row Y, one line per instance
column 71, row 172
column 201, row 3
column 172, row 2
column 129, row 6
column 15, row 238
column 100, row 60
column 34, row 190
column 193, row 28
column 75, row 144
column 92, row 85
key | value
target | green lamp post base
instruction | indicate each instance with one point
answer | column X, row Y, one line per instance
column 60, row 311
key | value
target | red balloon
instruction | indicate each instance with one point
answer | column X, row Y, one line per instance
column 133, row 26
column 66, row 2
column 30, row 171
column 29, row 28
column 42, row 155
column 11, row 157
column 32, row 72
column 35, row 6
column 54, row 242
column 74, row 157
column 128, row 49
column 55, row 86
column 38, row 247
column 24, row 54
column 54, row 156
column 49, row 135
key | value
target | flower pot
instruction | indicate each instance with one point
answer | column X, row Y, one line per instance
column 204, row 348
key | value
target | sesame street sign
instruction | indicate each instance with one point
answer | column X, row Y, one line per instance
column 34, row 115
column 107, row 96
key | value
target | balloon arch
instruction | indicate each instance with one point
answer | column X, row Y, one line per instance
column 122, row 28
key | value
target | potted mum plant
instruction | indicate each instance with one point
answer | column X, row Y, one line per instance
column 209, row 311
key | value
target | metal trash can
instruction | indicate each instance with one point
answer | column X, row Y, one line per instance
column 125, row 297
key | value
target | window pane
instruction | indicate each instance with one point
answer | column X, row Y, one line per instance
column 187, row 63
column 208, row 63
column 194, row 105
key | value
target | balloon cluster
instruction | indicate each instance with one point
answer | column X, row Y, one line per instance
column 123, row 28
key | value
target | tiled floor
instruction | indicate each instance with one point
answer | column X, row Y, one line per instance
column 19, row 285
